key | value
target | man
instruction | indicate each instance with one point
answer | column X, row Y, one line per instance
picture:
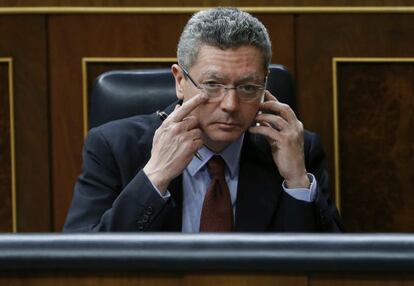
column 145, row 174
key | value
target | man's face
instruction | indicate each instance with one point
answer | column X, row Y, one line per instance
column 225, row 120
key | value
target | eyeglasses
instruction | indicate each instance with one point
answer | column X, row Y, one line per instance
column 216, row 91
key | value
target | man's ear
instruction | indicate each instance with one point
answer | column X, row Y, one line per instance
column 179, row 80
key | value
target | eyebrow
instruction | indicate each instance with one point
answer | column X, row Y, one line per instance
column 213, row 75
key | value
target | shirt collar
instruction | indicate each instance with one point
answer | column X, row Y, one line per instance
column 231, row 155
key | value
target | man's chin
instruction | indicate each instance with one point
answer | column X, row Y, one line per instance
column 220, row 139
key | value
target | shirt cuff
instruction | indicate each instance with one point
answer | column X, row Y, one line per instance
column 303, row 194
column 167, row 194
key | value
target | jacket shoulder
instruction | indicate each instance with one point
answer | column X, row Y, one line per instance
column 125, row 143
column 135, row 126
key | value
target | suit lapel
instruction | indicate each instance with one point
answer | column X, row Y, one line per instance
column 259, row 187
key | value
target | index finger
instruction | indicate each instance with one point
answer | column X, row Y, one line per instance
column 269, row 97
column 188, row 106
column 273, row 105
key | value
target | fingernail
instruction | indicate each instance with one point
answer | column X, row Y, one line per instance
column 204, row 96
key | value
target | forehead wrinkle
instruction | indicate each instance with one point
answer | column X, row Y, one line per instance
column 249, row 77
column 212, row 74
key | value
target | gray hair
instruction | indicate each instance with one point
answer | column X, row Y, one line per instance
column 223, row 28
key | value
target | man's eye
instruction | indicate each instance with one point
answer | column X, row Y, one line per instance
column 248, row 88
column 211, row 85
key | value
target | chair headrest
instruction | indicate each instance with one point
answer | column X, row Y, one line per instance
column 121, row 94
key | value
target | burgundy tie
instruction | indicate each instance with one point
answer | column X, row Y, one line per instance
column 217, row 212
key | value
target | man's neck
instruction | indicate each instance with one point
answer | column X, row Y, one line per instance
column 216, row 147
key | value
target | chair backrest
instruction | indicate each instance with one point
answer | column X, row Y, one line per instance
column 121, row 94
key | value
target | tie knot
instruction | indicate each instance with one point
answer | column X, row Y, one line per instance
column 216, row 167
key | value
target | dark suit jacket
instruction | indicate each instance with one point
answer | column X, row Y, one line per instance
column 113, row 193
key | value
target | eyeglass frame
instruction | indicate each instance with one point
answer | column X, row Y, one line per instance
column 226, row 88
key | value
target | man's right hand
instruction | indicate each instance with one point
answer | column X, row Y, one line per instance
column 175, row 143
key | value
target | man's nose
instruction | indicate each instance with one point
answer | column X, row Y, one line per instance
column 230, row 101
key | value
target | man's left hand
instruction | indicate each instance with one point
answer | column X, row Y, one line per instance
column 284, row 132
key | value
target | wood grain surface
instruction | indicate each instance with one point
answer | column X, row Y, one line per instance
column 376, row 145
column 202, row 3
column 319, row 39
column 6, row 219
column 23, row 38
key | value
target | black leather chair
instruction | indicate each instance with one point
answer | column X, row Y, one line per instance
column 120, row 94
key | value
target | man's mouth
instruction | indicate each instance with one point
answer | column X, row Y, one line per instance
column 227, row 125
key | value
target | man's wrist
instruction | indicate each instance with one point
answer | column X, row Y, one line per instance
column 157, row 180
column 304, row 194
column 302, row 182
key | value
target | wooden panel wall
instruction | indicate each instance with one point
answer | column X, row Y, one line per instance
column 202, row 3
column 48, row 50
column 319, row 39
column 23, row 38
column 6, row 210
column 375, row 108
